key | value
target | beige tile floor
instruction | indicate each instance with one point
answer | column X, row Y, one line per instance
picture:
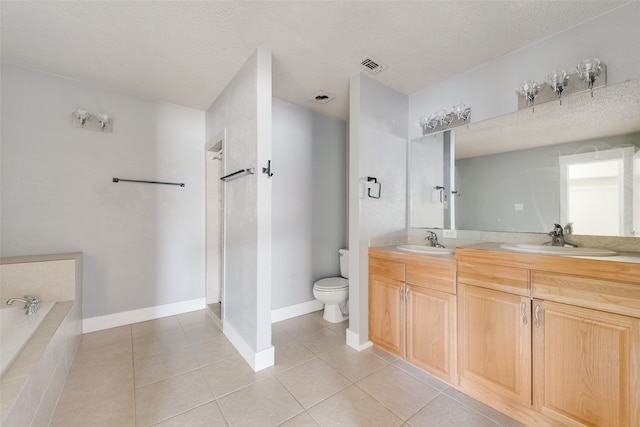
column 182, row 371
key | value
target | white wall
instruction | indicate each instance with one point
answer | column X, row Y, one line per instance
column 143, row 244
column 490, row 90
column 244, row 110
column 309, row 201
column 329, row 187
column 377, row 148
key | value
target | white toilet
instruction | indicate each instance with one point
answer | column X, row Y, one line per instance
column 334, row 292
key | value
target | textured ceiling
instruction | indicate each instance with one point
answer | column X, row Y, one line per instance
column 185, row 52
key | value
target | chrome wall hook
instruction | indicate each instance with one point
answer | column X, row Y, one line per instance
column 267, row 170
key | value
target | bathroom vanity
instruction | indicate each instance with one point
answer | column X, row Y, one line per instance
column 545, row 339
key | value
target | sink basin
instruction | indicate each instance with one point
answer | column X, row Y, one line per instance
column 419, row 249
column 557, row 250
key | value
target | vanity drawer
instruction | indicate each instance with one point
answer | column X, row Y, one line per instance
column 384, row 268
column 514, row 280
column 439, row 276
column 605, row 295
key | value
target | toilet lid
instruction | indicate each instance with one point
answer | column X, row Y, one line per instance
column 332, row 284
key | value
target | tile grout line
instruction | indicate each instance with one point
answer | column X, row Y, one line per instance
column 383, row 405
column 352, row 383
column 320, row 341
column 316, row 356
column 294, row 398
column 133, row 373
column 213, row 395
column 393, row 364
column 471, row 408
column 197, row 368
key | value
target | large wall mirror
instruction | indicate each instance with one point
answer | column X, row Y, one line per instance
column 577, row 163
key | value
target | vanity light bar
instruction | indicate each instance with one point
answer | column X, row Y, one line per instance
column 444, row 120
column 590, row 74
column 101, row 122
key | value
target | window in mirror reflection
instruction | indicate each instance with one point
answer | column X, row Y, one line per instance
column 597, row 192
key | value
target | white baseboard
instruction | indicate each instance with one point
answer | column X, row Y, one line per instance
column 291, row 311
column 100, row 323
column 353, row 341
column 264, row 359
column 257, row 360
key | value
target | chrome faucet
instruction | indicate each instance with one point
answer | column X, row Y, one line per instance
column 31, row 304
column 432, row 239
column 557, row 237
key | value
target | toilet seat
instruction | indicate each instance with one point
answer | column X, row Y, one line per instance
column 331, row 284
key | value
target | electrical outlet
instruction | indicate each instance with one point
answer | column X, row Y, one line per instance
column 451, row 234
column 519, row 207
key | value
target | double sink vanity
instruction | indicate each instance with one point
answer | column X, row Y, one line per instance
column 547, row 335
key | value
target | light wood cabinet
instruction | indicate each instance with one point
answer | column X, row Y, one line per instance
column 547, row 340
column 494, row 347
column 584, row 365
column 431, row 331
column 580, row 343
column 586, row 347
column 494, row 330
column 412, row 310
column 387, row 314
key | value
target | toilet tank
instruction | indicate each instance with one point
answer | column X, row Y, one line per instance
column 344, row 262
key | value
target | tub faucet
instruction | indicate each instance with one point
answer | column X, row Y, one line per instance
column 31, row 304
column 432, row 239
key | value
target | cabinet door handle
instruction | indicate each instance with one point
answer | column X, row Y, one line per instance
column 406, row 293
column 401, row 293
column 537, row 316
column 523, row 308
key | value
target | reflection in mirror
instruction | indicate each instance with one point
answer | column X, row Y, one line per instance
column 596, row 191
column 430, row 180
column 508, row 167
column 526, row 190
column 636, row 195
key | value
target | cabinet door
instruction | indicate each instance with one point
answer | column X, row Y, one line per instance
column 586, row 365
column 494, row 343
column 431, row 331
column 386, row 314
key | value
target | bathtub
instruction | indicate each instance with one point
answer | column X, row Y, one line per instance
column 16, row 328
column 32, row 383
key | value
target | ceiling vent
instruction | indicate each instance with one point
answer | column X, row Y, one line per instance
column 371, row 65
column 322, row 97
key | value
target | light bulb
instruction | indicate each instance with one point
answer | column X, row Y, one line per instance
column 82, row 115
column 589, row 70
column 103, row 119
column 529, row 90
column 558, row 81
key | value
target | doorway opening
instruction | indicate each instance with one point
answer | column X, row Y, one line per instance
column 215, row 220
